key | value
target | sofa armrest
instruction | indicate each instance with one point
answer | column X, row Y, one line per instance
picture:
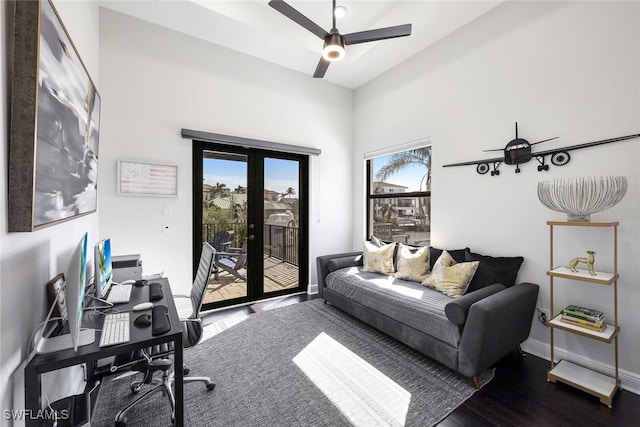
column 345, row 259
column 495, row 326
column 458, row 309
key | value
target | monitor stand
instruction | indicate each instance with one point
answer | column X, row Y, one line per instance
column 63, row 342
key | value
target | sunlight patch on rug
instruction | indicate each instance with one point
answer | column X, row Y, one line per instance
column 362, row 393
column 215, row 328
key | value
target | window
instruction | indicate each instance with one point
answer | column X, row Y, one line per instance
column 399, row 196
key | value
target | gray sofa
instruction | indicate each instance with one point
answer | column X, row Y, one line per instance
column 467, row 334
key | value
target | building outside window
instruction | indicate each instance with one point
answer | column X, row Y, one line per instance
column 399, row 196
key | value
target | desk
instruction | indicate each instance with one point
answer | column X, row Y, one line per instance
column 139, row 338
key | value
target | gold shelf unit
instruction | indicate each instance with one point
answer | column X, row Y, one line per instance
column 602, row 386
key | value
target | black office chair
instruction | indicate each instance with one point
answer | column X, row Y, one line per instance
column 155, row 358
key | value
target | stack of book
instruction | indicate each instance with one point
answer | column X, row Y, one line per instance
column 584, row 317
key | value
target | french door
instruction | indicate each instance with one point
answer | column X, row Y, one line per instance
column 251, row 205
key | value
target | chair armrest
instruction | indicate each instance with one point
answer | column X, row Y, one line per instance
column 322, row 264
column 495, row 326
column 458, row 309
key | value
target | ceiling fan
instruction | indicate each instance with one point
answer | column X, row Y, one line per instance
column 334, row 42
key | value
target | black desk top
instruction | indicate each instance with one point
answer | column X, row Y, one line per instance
column 140, row 337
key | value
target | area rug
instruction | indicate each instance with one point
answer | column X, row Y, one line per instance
column 306, row 364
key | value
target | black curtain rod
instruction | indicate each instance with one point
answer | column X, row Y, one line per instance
column 248, row 142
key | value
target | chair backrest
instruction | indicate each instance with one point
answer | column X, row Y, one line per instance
column 205, row 268
column 221, row 241
column 241, row 260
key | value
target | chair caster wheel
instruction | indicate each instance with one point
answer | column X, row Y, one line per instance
column 211, row 386
column 121, row 423
column 186, row 371
column 135, row 389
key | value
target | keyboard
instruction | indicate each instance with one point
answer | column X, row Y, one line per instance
column 115, row 329
column 119, row 294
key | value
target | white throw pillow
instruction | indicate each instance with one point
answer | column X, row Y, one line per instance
column 378, row 259
column 449, row 277
column 412, row 266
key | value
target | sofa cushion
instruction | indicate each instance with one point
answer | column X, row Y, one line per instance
column 503, row 270
column 407, row 302
column 378, row 259
column 412, row 263
column 458, row 308
column 450, row 277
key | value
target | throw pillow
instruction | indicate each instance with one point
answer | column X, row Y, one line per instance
column 449, row 277
column 456, row 254
column 503, row 270
column 412, row 264
column 378, row 259
column 376, row 241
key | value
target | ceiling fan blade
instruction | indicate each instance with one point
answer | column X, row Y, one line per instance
column 298, row 18
column 321, row 69
column 378, row 34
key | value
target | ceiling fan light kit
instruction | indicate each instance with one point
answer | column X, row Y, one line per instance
column 333, row 49
column 334, row 42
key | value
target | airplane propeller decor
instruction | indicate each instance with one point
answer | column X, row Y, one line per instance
column 518, row 151
column 334, row 42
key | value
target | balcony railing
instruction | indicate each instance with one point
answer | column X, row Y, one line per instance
column 281, row 242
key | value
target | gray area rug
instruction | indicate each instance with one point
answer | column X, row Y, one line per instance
column 307, row 364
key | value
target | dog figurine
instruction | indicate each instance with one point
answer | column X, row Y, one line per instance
column 590, row 260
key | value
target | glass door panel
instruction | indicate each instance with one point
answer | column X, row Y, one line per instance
column 224, row 225
column 281, row 239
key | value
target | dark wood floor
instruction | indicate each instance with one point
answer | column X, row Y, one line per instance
column 519, row 395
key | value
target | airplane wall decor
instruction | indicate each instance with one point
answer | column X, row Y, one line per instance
column 518, row 151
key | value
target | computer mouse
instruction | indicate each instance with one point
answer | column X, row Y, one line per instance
column 142, row 321
column 140, row 283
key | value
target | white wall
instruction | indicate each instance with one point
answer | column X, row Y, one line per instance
column 29, row 260
column 570, row 70
column 155, row 82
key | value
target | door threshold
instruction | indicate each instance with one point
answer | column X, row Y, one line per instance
column 249, row 303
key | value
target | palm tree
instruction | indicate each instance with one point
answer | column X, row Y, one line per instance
column 290, row 192
column 218, row 189
column 240, row 189
column 399, row 161
column 387, row 210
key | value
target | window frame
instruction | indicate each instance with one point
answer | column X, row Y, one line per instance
column 370, row 196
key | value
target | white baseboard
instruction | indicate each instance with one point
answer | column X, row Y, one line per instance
column 312, row 289
column 629, row 380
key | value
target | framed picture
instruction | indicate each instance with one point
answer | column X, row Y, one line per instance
column 55, row 124
column 147, row 179
column 56, row 287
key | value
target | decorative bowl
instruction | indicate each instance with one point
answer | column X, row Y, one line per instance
column 580, row 197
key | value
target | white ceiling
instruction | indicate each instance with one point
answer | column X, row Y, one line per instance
column 254, row 28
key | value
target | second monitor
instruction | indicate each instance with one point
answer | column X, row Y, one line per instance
column 103, row 268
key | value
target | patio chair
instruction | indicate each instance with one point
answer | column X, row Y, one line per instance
column 156, row 359
column 221, row 241
column 232, row 262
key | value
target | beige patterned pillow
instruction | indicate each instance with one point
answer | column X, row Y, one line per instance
column 378, row 259
column 412, row 266
column 449, row 277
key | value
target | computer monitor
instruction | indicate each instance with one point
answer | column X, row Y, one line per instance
column 103, row 271
column 76, row 279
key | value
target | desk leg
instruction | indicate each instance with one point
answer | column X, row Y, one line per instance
column 32, row 396
column 178, row 375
